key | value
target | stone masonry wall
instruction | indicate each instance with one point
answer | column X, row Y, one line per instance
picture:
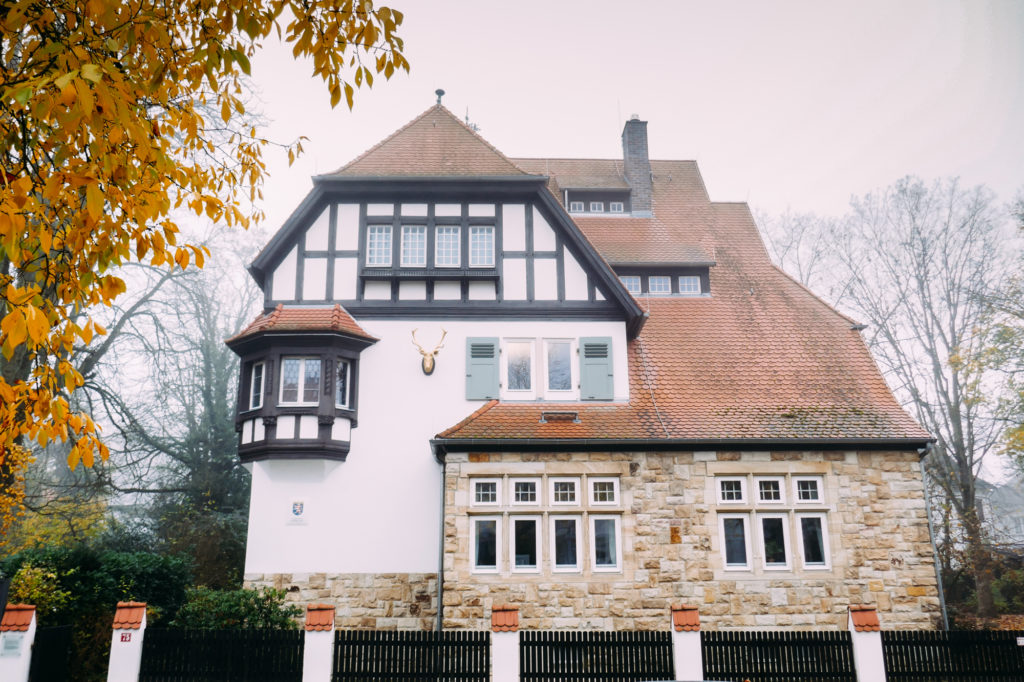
column 362, row 601
column 879, row 547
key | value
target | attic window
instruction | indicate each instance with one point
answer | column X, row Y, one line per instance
column 659, row 285
column 689, row 285
column 632, row 283
column 616, row 207
column 575, row 207
column 597, row 207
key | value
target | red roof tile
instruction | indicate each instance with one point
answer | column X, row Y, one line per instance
column 436, row 143
column 685, row 618
column 865, row 618
column 319, row 617
column 17, row 618
column 335, row 319
column 505, row 618
column 129, row 615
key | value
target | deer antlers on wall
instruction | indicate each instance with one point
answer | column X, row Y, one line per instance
column 428, row 356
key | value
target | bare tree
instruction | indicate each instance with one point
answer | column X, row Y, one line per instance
column 803, row 244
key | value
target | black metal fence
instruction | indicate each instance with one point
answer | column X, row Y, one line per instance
column 171, row 655
column 51, row 653
column 595, row 656
column 968, row 656
column 449, row 656
column 776, row 656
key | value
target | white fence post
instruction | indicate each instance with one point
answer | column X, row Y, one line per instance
column 318, row 643
column 865, row 631
column 126, row 642
column 505, row 643
column 17, row 633
column 686, row 650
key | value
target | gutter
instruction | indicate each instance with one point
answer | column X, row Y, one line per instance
column 440, row 557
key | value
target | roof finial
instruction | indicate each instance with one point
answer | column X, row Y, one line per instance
column 440, row 93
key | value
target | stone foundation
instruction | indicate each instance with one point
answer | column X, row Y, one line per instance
column 362, row 601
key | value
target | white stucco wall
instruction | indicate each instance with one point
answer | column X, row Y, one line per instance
column 379, row 511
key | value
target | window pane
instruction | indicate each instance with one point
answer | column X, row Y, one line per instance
column 732, row 491
column 770, row 491
column 659, row 284
column 596, row 206
column 311, row 384
column 565, row 491
column 481, row 246
column 341, row 384
column 290, row 380
column 689, row 284
column 486, row 544
column 575, row 206
column 414, row 245
column 256, row 397
column 447, row 246
column 526, row 491
column 632, row 283
column 605, row 553
column 604, row 491
column 525, row 538
column 519, row 371
column 814, row 545
column 378, row 245
column 616, row 207
column 486, row 491
column 735, row 542
column 807, row 490
column 565, row 542
column 774, row 541
column 559, row 367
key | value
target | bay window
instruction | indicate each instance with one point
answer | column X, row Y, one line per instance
column 300, row 381
column 341, row 384
column 256, row 386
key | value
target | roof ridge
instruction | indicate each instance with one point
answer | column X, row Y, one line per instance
column 481, row 410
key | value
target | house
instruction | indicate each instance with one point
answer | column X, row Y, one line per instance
column 575, row 385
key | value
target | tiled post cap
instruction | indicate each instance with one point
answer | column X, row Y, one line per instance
column 685, row 618
column 129, row 615
column 17, row 618
column 319, row 617
column 865, row 618
column 504, row 618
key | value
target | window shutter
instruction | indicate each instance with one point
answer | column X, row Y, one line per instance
column 596, row 380
column 481, row 368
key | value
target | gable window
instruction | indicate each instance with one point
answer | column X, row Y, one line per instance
column 575, row 207
column 597, row 207
column 632, row 283
column 447, row 246
column 378, row 245
column 341, row 382
column 689, row 285
column 616, row 207
column 481, row 246
column 559, row 365
column 659, row 285
column 256, row 387
column 300, row 381
column 484, row 539
column 525, row 539
column 520, row 365
column 414, row 246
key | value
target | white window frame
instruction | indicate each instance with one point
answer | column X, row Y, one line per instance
column 538, row 550
column 650, row 285
column 827, row 565
column 457, row 231
column 614, row 480
column 576, row 206
column 384, row 262
column 348, row 382
column 408, row 229
column 596, row 207
column 475, row 231
column 578, row 520
column 688, row 290
column 474, row 568
column 628, row 279
column 538, row 492
column 780, row 480
column 796, row 490
column 743, row 489
column 617, row 567
column 616, row 207
column 302, row 380
column 473, row 502
column 563, row 479
column 787, row 544
column 519, row 393
column 746, row 541
column 256, row 397
column 572, row 391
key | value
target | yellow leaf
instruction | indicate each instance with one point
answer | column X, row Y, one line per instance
column 94, row 200
column 91, row 72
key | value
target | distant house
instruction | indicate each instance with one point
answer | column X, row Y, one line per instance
column 577, row 385
column 1002, row 513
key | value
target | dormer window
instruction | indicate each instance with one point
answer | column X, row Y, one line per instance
column 632, row 283
column 256, row 386
column 597, row 207
column 616, row 207
column 378, row 245
column 659, row 285
column 689, row 285
column 575, row 207
column 414, row 246
column 300, row 381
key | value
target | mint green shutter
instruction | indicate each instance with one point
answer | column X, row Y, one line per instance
column 481, row 368
column 596, row 380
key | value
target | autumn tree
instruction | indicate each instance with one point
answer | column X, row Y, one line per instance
column 104, row 131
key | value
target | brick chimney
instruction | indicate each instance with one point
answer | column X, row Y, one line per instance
column 637, row 164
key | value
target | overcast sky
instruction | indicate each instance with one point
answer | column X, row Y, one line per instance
column 783, row 104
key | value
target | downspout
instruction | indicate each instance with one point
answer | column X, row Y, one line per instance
column 931, row 536
column 440, row 548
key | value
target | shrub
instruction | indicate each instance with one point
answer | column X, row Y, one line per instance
column 207, row 609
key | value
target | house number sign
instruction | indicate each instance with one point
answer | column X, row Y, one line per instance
column 126, row 636
column 10, row 644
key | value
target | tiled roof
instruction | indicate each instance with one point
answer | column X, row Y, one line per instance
column 17, row 618
column 865, row 618
column 436, row 143
column 319, row 617
column 685, row 618
column 129, row 615
column 505, row 618
column 334, row 319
